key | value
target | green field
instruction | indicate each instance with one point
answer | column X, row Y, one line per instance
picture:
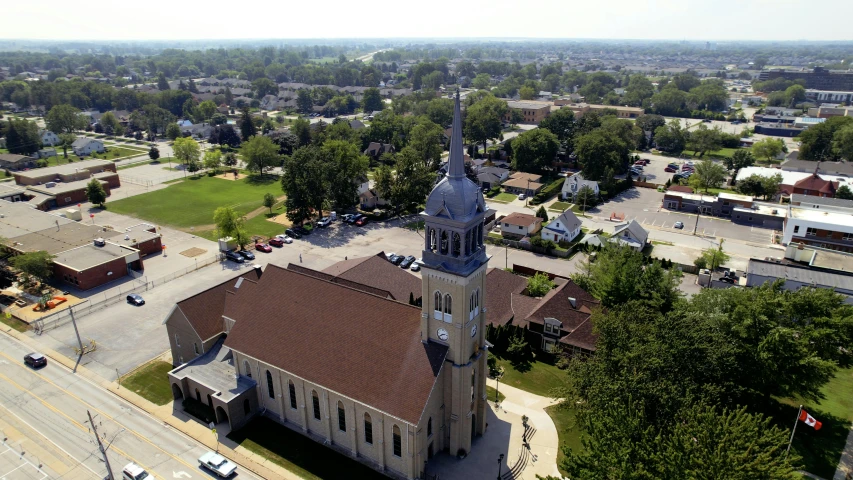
column 493, row 395
column 535, row 377
column 191, row 202
column 721, row 153
column 504, row 197
column 113, row 153
column 151, row 382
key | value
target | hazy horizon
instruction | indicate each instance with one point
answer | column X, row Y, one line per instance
column 650, row 20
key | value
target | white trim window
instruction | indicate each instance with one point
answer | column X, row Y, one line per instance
column 436, row 305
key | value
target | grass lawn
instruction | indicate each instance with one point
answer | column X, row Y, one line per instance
column 113, row 153
column 159, row 161
column 560, row 206
column 298, row 454
column 504, row 197
column 417, row 225
column 536, row 377
column 717, row 191
column 170, row 205
column 14, row 323
column 567, row 431
column 721, row 153
column 151, row 382
column 490, row 395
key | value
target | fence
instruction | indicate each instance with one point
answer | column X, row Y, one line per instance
column 115, row 295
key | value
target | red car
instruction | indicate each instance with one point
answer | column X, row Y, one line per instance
column 276, row 242
column 361, row 221
column 669, row 169
column 686, row 168
column 263, row 247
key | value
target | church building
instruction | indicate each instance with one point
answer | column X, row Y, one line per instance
column 345, row 360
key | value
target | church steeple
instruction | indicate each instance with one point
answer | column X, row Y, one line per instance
column 456, row 164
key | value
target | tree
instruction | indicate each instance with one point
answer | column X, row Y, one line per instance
column 562, row 124
column 585, row 198
column 413, row 180
column 542, row 213
column 770, row 185
column 304, row 100
column 65, row 142
column 534, row 150
column 22, row 137
column 213, row 160
column 708, row 174
column 650, row 123
column 302, row 129
column 154, row 153
column 304, row 182
column 173, row 131
column 817, row 140
column 705, row 139
column 269, row 201
column 425, row 138
column 740, row 159
column 842, row 143
column 110, row 124
column 187, row 151
column 247, row 126
column 64, row 118
column 372, row 100
column 526, row 93
column 844, row 193
column 260, row 154
column 287, row 142
column 483, row 119
column 230, row 159
column 344, row 165
column 539, row 284
column 206, row 109
column 752, row 185
column 440, row 111
column 264, row 86
column 714, row 258
column 768, row 148
column 225, row 135
column 671, row 138
column 599, row 151
column 162, row 84
column 481, row 81
column 95, row 192
column 37, row 266
column 230, row 224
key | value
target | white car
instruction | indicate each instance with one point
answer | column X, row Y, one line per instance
column 284, row 238
column 389, row 255
column 521, row 196
column 133, row 471
column 324, row 222
column 217, row 464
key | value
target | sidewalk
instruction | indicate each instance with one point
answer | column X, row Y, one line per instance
column 182, row 423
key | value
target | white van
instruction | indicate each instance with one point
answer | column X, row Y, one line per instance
column 133, row 471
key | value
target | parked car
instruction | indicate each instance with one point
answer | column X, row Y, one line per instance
column 234, row 256
column 354, row 218
column 135, row 299
column 670, row 169
column 301, row 230
column 398, row 259
column 678, row 225
column 292, row 233
column 362, row 221
column 389, row 255
column 345, row 217
column 324, row 222
column 35, row 360
column 263, row 247
column 407, row 262
column 415, row 267
column 276, row 242
column 707, row 120
column 735, row 122
column 521, row 196
column 246, row 254
column 217, row 464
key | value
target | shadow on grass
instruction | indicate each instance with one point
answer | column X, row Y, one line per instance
column 820, row 449
column 260, row 180
column 297, row 453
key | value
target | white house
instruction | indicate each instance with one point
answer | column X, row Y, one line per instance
column 85, row 146
column 49, row 139
column 631, row 234
column 575, row 183
column 563, row 228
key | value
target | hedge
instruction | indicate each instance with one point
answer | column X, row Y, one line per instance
column 549, row 191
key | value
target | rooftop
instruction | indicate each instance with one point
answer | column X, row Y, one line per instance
column 66, row 169
column 734, row 196
column 821, row 216
column 88, row 256
column 832, row 260
column 522, row 219
column 65, row 187
column 798, row 273
column 531, row 104
column 215, row 369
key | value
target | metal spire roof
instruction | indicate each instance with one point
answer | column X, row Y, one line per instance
column 456, row 164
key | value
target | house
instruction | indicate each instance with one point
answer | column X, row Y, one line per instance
column 356, row 124
column 376, row 149
column 11, row 161
column 526, row 183
column 815, row 185
column 631, row 234
column 564, row 228
column 516, row 226
column 488, row 177
column 575, row 183
column 86, row 146
column 49, row 139
column 403, row 384
column 46, row 152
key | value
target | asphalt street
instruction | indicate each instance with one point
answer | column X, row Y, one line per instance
column 53, row 402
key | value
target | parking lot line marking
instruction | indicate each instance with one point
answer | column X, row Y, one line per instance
column 3, row 475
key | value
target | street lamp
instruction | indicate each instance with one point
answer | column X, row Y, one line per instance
column 500, row 464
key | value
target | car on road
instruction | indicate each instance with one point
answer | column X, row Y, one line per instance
column 132, row 471
column 35, row 360
column 276, row 242
column 217, row 464
column 246, row 254
column 234, row 256
column 292, row 233
column 678, row 225
column 263, row 247
column 521, row 196
column 324, row 222
column 362, row 221
column 407, row 262
column 735, row 122
column 135, row 299
column 707, row 120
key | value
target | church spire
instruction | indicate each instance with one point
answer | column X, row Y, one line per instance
column 456, row 164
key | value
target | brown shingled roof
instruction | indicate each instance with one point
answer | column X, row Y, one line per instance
column 377, row 272
column 204, row 310
column 500, row 284
column 359, row 345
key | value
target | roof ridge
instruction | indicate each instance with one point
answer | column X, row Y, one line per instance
column 212, row 287
column 345, row 286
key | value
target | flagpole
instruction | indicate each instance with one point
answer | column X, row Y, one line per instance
column 793, row 431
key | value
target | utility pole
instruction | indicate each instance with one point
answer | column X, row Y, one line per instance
column 101, row 447
column 79, row 342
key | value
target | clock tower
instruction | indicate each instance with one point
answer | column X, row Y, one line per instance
column 454, row 280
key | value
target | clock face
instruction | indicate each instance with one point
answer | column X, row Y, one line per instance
column 442, row 334
column 473, row 330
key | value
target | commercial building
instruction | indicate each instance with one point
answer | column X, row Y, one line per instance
column 741, row 208
column 818, row 79
column 828, row 96
column 532, row 111
column 829, row 110
column 580, row 108
column 835, row 169
column 799, row 182
column 64, row 185
column 796, row 275
column 827, row 225
column 85, row 255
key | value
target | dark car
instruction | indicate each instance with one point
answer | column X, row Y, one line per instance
column 707, row 120
column 354, row 218
column 276, row 242
column 246, row 254
column 397, row 259
column 135, row 299
column 234, row 256
column 35, row 360
column 292, row 233
column 362, row 221
column 407, row 262
column 302, row 230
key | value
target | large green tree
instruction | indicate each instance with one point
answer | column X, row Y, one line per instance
column 95, row 192
column 708, row 174
column 599, row 151
column 425, row 138
column 817, row 140
column 562, row 124
column 740, row 159
column 483, row 119
column 36, row 266
column 534, row 150
column 187, row 151
column 842, row 143
column 705, row 139
column 22, row 136
column 371, row 100
column 230, row 224
column 304, row 183
column 260, row 154
column 768, row 149
column 64, row 118
column 671, row 138
column 344, row 166
column 247, row 125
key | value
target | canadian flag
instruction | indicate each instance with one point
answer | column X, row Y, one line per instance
column 810, row 420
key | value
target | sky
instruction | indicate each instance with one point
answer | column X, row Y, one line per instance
column 720, row 20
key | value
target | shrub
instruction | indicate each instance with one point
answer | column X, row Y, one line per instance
column 700, row 263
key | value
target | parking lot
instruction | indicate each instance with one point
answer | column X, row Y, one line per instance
column 15, row 466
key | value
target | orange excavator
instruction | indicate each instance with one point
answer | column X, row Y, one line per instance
column 50, row 304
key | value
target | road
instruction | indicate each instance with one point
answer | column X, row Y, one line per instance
column 51, row 404
column 370, row 55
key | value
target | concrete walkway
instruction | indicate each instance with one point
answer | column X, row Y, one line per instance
column 504, row 436
column 845, row 464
